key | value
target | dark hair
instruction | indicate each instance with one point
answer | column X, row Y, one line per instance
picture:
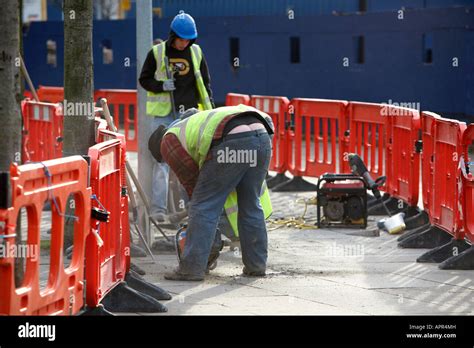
column 154, row 143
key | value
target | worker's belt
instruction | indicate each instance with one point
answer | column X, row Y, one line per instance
column 257, row 132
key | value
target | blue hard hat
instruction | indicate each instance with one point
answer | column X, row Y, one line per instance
column 184, row 26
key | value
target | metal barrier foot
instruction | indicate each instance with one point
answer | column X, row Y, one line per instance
column 394, row 205
column 124, row 299
column 297, row 184
column 138, row 283
column 415, row 231
column 463, row 261
column 416, row 218
column 444, row 252
column 371, row 200
column 429, row 239
column 277, row 180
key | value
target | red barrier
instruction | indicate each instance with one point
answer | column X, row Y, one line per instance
column 277, row 108
column 468, row 183
column 123, row 107
column 42, row 131
column 232, row 99
column 50, row 94
column 368, row 136
column 30, row 189
column 107, row 262
column 403, row 159
column 320, row 119
column 428, row 124
column 105, row 135
column 444, row 209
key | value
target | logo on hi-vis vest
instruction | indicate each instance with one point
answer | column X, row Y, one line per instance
column 180, row 65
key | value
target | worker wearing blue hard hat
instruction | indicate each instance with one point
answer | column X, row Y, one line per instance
column 189, row 85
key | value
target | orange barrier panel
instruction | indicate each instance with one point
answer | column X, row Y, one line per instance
column 444, row 209
column 31, row 185
column 50, row 94
column 468, row 183
column 402, row 158
column 42, row 131
column 368, row 129
column 323, row 146
column 236, row 99
column 105, row 135
column 123, row 107
column 106, row 261
column 277, row 108
column 428, row 124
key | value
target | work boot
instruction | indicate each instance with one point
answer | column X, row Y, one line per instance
column 247, row 273
column 176, row 275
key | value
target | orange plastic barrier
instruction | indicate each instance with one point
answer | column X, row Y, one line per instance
column 107, row 258
column 428, row 124
column 323, row 146
column 277, row 108
column 123, row 107
column 42, row 131
column 368, row 136
column 236, row 99
column 445, row 198
column 468, row 184
column 403, row 157
column 105, row 135
column 32, row 185
column 50, row 94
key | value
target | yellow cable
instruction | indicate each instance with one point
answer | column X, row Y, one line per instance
column 296, row 222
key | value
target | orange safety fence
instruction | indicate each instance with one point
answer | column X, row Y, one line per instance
column 468, row 182
column 123, row 107
column 314, row 145
column 403, row 154
column 428, row 124
column 368, row 136
column 50, row 94
column 277, row 108
column 232, row 99
column 107, row 258
column 31, row 186
column 42, row 131
column 444, row 210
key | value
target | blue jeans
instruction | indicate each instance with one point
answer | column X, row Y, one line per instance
column 160, row 179
column 216, row 181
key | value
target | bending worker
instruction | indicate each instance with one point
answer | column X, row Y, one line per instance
column 221, row 157
column 190, row 88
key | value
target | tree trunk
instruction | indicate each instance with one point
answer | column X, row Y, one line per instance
column 78, row 77
column 78, row 107
column 10, row 116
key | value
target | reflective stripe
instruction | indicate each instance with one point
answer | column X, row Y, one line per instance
column 158, row 98
column 182, row 133
column 264, row 187
column 203, row 126
column 198, row 74
column 232, row 210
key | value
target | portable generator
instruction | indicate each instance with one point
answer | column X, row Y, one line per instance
column 342, row 201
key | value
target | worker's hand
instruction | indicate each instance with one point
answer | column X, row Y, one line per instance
column 168, row 85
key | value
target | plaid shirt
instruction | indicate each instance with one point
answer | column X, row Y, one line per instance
column 181, row 162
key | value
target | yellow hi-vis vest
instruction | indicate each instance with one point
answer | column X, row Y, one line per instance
column 195, row 134
column 159, row 104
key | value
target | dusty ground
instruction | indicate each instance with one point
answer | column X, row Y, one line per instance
column 320, row 272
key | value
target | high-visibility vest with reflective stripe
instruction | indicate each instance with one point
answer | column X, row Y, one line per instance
column 159, row 104
column 195, row 134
